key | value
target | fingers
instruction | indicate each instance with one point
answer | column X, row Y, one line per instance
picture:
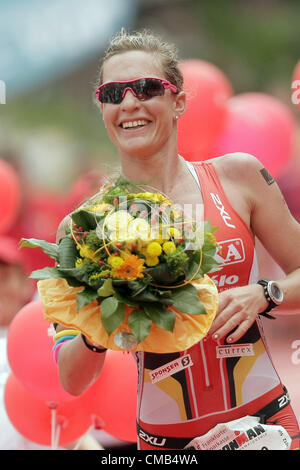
column 231, row 319
column 240, row 331
column 227, row 315
column 228, row 309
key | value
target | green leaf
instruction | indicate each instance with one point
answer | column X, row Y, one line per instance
column 208, row 264
column 140, row 324
column 85, row 297
column 106, row 289
column 209, row 228
column 124, row 299
column 51, row 249
column 139, row 285
column 50, row 273
column 73, row 282
column 161, row 316
column 192, row 270
column 145, row 296
column 186, row 300
column 161, row 274
column 109, row 306
column 76, row 273
column 46, row 273
column 112, row 314
column 86, row 219
column 67, row 253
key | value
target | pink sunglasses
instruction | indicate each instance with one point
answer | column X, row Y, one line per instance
column 143, row 88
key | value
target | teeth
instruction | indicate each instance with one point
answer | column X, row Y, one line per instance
column 125, row 125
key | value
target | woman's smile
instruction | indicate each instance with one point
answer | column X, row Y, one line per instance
column 135, row 124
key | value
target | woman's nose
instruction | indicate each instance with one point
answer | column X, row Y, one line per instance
column 129, row 99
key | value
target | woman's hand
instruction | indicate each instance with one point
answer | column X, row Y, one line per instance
column 238, row 308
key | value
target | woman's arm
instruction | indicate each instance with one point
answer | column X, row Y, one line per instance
column 78, row 365
column 272, row 222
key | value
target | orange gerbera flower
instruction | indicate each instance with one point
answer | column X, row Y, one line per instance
column 131, row 269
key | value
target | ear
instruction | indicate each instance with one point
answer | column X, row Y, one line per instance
column 179, row 104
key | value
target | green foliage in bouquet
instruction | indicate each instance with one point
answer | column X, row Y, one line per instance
column 128, row 247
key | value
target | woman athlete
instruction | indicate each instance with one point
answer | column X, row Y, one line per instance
column 229, row 374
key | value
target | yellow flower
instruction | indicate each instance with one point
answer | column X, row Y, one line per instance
column 174, row 232
column 86, row 252
column 154, row 249
column 169, row 247
column 99, row 275
column 79, row 263
column 152, row 260
column 131, row 269
column 153, row 197
column 100, row 208
column 211, row 238
column 176, row 214
column 115, row 261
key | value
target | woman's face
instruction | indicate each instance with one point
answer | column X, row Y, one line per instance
column 157, row 115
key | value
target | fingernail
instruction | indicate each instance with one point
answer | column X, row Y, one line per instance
column 216, row 336
column 229, row 340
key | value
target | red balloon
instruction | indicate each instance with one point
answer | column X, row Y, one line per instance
column 261, row 125
column 30, row 355
column 296, row 85
column 207, row 90
column 10, row 196
column 33, row 417
column 114, row 396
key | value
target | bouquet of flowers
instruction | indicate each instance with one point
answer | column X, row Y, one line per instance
column 136, row 259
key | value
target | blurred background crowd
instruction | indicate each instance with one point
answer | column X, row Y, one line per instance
column 241, row 62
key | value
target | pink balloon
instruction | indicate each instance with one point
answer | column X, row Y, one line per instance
column 261, row 125
column 31, row 417
column 113, row 398
column 10, row 196
column 30, row 355
column 296, row 85
column 208, row 90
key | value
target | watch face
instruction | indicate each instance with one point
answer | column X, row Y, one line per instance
column 275, row 292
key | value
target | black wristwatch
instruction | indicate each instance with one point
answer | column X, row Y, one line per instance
column 273, row 294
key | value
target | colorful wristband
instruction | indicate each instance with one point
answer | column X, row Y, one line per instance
column 65, row 332
column 62, row 339
column 56, row 350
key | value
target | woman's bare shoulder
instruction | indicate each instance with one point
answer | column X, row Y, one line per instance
column 237, row 165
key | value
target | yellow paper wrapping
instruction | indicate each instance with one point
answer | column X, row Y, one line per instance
column 59, row 302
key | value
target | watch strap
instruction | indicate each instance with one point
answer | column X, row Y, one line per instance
column 267, row 315
column 93, row 347
column 264, row 284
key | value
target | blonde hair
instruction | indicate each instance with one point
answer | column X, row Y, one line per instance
column 146, row 41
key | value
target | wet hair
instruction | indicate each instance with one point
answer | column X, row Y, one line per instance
column 145, row 40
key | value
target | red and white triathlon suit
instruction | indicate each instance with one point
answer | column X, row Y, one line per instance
column 184, row 395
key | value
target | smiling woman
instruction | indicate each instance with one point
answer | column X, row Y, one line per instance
column 146, row 67
column 135, row 106
column 141, row 97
